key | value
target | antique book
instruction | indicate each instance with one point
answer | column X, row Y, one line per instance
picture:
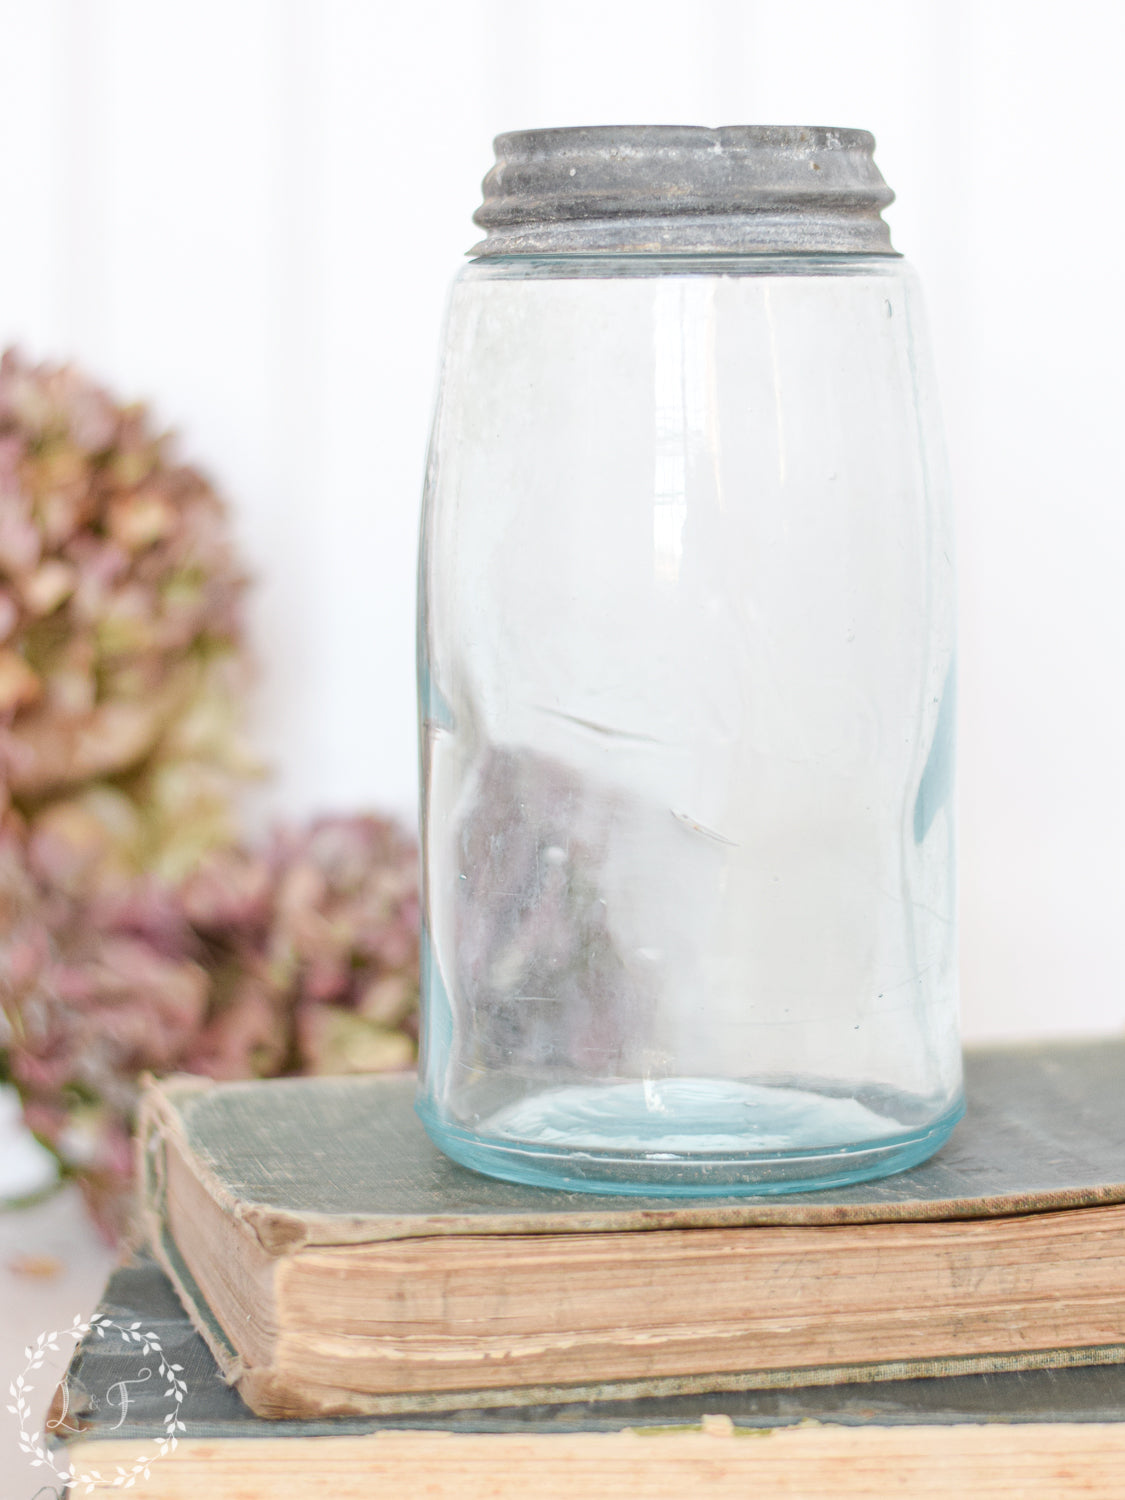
column 336, row 1263
column 1044, row 1434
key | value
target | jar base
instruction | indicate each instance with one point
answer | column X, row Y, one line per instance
column 692, row 1137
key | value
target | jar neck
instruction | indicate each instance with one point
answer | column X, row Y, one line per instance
column 595, row 266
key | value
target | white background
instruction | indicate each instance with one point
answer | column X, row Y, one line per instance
column 249, row 211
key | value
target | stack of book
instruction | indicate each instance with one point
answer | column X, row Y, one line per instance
column 352, row 1310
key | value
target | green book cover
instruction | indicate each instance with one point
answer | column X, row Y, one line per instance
column 345, row 1160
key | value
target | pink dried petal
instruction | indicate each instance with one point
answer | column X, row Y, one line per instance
column 45, row 589
column 9, row 614
column 19, row 685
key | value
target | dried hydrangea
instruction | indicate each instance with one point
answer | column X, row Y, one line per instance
column 135, row 933
column 121, row 654
column 299, row 958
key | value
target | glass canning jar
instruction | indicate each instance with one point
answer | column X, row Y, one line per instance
column 686, row 662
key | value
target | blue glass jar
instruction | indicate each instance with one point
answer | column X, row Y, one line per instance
column 686, row 659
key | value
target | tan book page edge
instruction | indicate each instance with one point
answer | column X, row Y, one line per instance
column 228, row 1264
column 272, row 1396
column 169, row 1182
column 542, row 1311
column 989, row 1461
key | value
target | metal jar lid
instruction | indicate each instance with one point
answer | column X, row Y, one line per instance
column 683, row 189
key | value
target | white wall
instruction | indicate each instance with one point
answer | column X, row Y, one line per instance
column 249, row 212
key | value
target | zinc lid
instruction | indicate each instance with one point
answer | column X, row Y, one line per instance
column 637, row 189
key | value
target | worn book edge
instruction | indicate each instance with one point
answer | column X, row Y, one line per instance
column 156, row 1122
column 161, row 1125
column 164, row 1116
